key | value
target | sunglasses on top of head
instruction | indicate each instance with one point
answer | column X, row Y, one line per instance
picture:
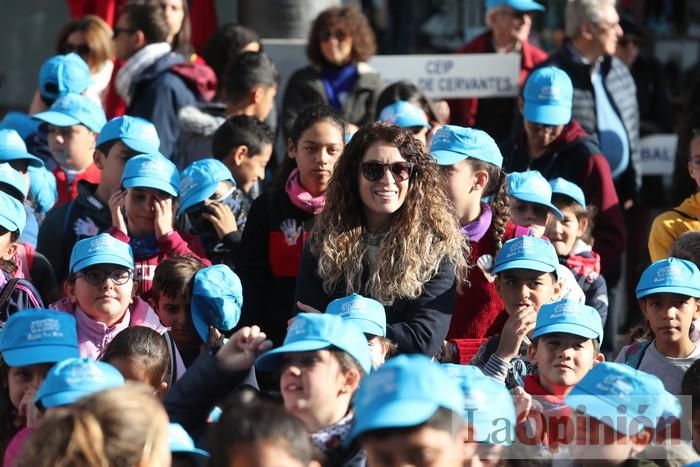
column 373, row 171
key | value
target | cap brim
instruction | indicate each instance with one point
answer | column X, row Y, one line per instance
column 526, row 5
column 149, row 182
column 7, row 155
column 23, row 356
column 368, row 327
column 273, row 359
column 57, row 118
column 195, row 452
column 674, row 289
column 10, row 223
column 196, row 197
column 531, row 264
column 547, row 114
column 537, row 200
column 566, row 328
column 411, row 123
column 443, row 157
column 603, row 410
column 61, row 398
column 139, row 146
column 394, row 414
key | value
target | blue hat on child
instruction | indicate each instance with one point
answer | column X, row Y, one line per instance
column 217, row 298
column 625, row 399
column 531, row 187
column 488, row 406
column 74, row 378
column 12, row 148
column 14, row 179
column 179, row 441
column 452, row 144
column 406, row 391
column 365, row 313
column 570, row 318
column 13, row 217
column 43, row 193
column 561, row 186
column 136, row 133
column 151, row 171
column 21, row 122
column 517, row 5
column 526, row 252
column 670, row 275
column 548, row 96
column 63, row 74
column 74, row 109
column 200, row 180
column 100, row 249
column 38, row 335
column 315, row 331
column 404, row 114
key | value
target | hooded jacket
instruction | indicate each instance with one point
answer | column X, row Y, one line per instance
column 197, row 131
column 670, row 225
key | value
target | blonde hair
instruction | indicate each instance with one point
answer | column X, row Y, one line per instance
column 423, row 233
column 98, row 36
column 117, row 427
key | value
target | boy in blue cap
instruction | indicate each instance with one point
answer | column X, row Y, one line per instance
column 669, row 296
column 74, row 121
column 409, row 116
column 530, row 198
column 217, row 297
column 183, row 450
column 400, row 417
column 88, row 214
column 526, row 279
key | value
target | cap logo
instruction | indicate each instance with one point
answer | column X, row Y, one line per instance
column 352, row 306
column 668, row 274
column 44, row 328
column 564, row 309
column 83, row 373
column 151, row 166
column 616, row 385
column 187, row 185
column 525, row 247
column 99, row 244
column 549, row 93
column 298, row 328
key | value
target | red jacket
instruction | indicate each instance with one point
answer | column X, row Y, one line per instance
column 68, row 192
column 463, row 111
column 550, row 420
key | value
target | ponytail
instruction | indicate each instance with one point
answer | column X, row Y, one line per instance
column 496, row 190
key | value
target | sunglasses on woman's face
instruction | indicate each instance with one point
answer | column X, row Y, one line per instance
column 373, row 171
column 327, row 35
column 81, row 49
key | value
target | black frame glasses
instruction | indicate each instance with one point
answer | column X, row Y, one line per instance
column 97, row 276
column 373, row 171
column 81, row 49
column 327, row 35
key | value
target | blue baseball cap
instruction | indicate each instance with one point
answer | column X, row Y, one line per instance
column 152, row 170
column 561, row 186
column 199, row 181
column 217, row 298
column 625, row 399
column 452, row 144
column 100, row 249
column 488, row 406
column 179, row 441
column 138, row 134
column 548, row 96
column 12, row 148
column 43, row 193
column 74, row 109
column 367, row 314
column 63, row 74
column 518, row 5
column 569, row 317
column 531, row 187
column 13, row 217
column 670, row 275
column 38, row 335
column 21, row 122
column 315, row 331
column 404, row 392
column 74, row 378
column 404, row 114
column 526, row 252
column 13, row 179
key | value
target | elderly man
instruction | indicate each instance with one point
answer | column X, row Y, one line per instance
column 605, row 100
column 509, row 23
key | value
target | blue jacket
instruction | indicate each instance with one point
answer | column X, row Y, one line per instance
column 158, row 95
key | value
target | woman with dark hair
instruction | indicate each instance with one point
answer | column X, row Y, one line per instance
column 340, row 42
column 177, row 16
column 388, row 232
column 226, row 43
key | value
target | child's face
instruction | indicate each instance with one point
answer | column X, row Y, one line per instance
column 423, row 447
column 250, row 169
column 460, row 179
column 530, row 215
column 8, row 248
column 265, row 453
column 525, row 288
column 670, row 315
column 596, row 443
column 265, row 103
column 563, row 360
column 173, row 313
column 311, row 386
column 72, row 146
column 140, row 210
column 316, row 153
column 100, row 296
column 694, row 161
column 112, row 165
column 564, row 233
column 377, row 351
column 24, row 381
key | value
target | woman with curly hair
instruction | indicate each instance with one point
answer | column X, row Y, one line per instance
column 340, row 42
column 388, row 232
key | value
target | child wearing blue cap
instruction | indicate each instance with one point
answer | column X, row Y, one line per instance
column 401, row 416
column 530, row 201
column 571, row 237
column 183, row 450
column 407, row 115
column 143, row 215
column 74, row 121
column 30, row 343
column 668, row 294
column 88, row 214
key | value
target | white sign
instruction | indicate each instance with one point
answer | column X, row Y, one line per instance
column 453, row 75
column 657, row 154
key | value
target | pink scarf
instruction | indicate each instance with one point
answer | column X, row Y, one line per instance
column 302, row 198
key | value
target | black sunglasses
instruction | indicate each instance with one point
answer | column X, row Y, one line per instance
column 82, row 49
column 373, row 171
column 119, row 276
column 327, row 35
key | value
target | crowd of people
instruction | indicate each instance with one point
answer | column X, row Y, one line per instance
column 417, row 282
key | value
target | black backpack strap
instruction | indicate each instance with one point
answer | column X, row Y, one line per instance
column 687, row 216
column 171, row 375
column 5, row 296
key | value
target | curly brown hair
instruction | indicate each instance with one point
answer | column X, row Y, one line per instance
column 423, row 233
column 353, row 22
